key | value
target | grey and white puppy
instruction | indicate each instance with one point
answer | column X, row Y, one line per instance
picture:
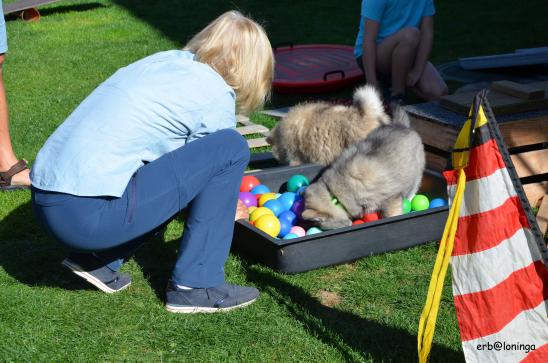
column 373, row 174
column 318, row 132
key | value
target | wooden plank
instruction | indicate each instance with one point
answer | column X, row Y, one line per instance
column 433, row 133
column 535, row 192
column 523, row 91
column 435, row 162
column 500, row 103
column 276, row 113
column 525, row 132
column 531, row 163
column 542, row 215
column 253, row 129
column 259, row 142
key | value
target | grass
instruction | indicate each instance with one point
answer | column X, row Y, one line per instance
column 364, row 311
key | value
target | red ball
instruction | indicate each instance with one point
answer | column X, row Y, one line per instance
column 357, row 221
column 371, row 217
column 248, row 182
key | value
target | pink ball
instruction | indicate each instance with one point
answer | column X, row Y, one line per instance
column 248, row 199
column 299, row 231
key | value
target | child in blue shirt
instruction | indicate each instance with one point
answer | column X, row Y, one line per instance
column 394, row 42
column 155, row 138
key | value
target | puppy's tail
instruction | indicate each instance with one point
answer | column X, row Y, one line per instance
column 369, row 102
column 400, row 117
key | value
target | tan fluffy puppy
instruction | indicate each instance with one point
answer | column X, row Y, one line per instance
column 318, row 132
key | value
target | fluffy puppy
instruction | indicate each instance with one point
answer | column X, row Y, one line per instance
column 373, row 174
column 318, row 132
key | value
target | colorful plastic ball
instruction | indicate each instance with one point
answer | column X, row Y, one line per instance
column 290, row 236
column 301, row 190
column 419, row 202
column 265, row 198
column 269, row 224
column 370, row 217
column 275, row 206
column 298, row 230
column 285, row 227
column 296, row 181
column 357, row 221
column 260, row 189
column 248, row 199
column 289, row 217
column 298, row 207
column 248, row 182
column 258, row 213
column 437, row 202
column 313, row 230
column 251, row 209
column 406, row 206
column 287, row 199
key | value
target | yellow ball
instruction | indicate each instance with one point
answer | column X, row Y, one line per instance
column 265, row 198
column 251, row 209
column 259, row 212
column 269, row 224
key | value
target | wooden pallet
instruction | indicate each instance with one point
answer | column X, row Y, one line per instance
column 249, row 128
column 525, row 135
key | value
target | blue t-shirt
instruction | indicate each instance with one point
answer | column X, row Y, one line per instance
column 143, row 111
column 3, row 36
column 392, row 15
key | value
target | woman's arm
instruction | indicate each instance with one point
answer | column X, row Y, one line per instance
column 369, row 50
column 423, row 51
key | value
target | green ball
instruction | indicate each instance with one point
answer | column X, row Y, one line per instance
column 296, row 181
column 419, row 202
column 406, row 206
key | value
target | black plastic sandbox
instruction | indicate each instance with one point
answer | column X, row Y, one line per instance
column 343, row 244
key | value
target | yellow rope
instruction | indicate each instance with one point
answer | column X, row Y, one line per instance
column 427, row 323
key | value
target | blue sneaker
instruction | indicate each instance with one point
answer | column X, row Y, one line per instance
column 210, row 300
column 94, row 271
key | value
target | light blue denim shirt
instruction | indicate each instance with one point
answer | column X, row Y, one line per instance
column 144, row 110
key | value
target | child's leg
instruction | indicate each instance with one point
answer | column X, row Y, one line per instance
column 430, row 85
column 396, row 55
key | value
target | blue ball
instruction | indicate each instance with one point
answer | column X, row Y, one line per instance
column 301, row 190
column 287, row 199
column 290, row 236
column 260, row 189
column 275, row 206
column 289, row 217
column 285, row 227
column 437, row 202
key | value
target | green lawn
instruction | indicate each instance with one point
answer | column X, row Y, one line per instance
column 364, row 311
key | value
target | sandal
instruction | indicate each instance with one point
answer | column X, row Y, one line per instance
column 5, row 176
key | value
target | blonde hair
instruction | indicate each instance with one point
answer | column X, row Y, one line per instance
column 238, row 49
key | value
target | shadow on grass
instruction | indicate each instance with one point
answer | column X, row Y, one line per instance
column 381, row 342
column 32, row 257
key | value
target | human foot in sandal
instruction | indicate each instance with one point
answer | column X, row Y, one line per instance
column 16, row 177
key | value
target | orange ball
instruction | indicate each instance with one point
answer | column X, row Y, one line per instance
column 269, row 224
column 357, row 221
column 248, row 182
column 371, row 217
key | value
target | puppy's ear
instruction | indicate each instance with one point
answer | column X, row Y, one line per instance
column 313, row 216
column 269, row 139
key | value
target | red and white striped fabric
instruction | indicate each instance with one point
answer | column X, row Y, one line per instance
column 500, row 282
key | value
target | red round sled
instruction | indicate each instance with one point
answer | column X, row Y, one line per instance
column 315, row 68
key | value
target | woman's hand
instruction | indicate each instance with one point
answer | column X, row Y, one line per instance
column 241, row 211
column 413, row 77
